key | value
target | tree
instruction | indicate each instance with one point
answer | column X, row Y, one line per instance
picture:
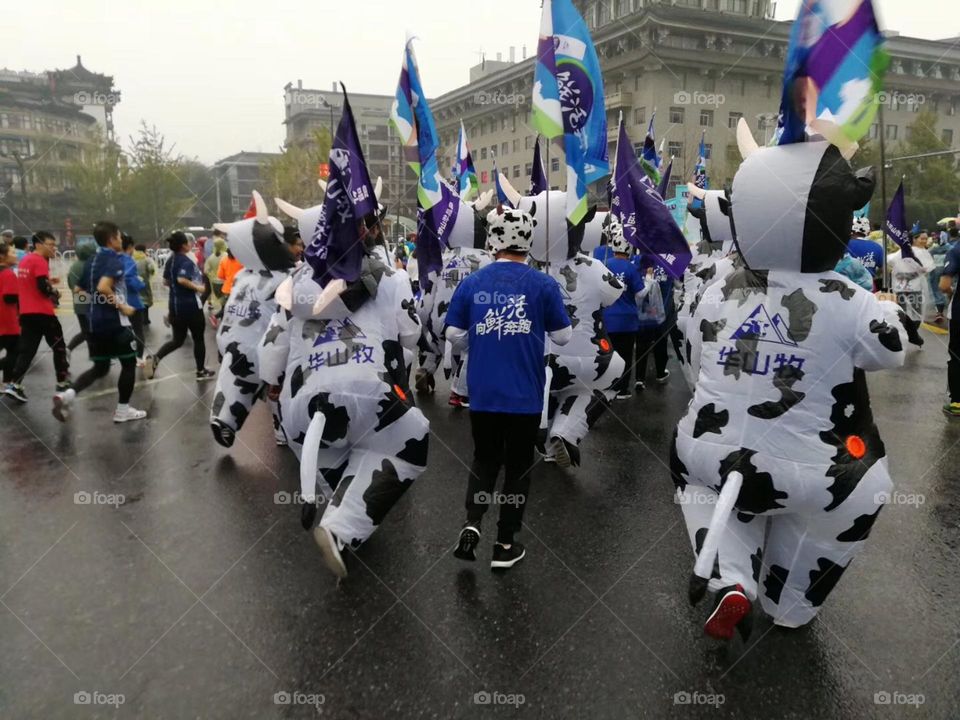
column 293, row 176
column 97, row 178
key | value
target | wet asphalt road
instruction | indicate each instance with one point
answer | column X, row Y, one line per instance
column 186, row 587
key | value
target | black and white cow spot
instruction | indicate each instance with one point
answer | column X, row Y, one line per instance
column 442, row 308
column 710, row 420
column 240, row 364
column 699, row 537
column 756, row 563
column 273, row 332
column 239, row 412
column 801, row 311
column 784, row 379
column 837, row 286
column 688, row 351
column 562, row 377
column 822, row 581
column 860, row 530
column 741, row 284
column 246, row 387
column 567, row 404
column 709, row 331
column 391, row 408
column 758, row 493
column 774, row 582
column 570, row 278
column 383, row 492
column 297, row 378
column 572, row 314
column 334, row 475
column 888, row 335
column 678, row 471
column 415, row 451
column 340, row 490
column 337, row 418
column 218, row 400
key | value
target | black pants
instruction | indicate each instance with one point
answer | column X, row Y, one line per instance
column 128, row 376
column 81, row 336
column 181, row 325
column 652, row 339
column 137, row 325
column 146, row 314
column 501, row 440
column 8, row 344
column 623, row 345
column 33, row 327
column 953, row 363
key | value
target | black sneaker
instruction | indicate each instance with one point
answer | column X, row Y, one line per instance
column 223, row 434
column 467, row 545
column 205, row 374
column 731, row 612
column 504, row 557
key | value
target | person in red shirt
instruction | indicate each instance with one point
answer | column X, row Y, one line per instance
column 38, row 301
column 9, row 316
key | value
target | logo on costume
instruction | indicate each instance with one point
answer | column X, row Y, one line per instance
column 507, row 319
column 760, row 326
column 243, row 311
column 337, row 331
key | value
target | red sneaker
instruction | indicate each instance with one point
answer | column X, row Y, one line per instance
column 454, row 400
column 732, row 607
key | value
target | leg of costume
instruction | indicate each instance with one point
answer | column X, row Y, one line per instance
column 805, row 554
column 459, row 382
column 238, row 386
column 382, row 463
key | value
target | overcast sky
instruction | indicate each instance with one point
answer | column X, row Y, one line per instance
column 211, row 78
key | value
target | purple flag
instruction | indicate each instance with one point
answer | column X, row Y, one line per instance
column 538, row 178
column 665, row 181
column 897, row 223
column 647, row 222
column 335, row 251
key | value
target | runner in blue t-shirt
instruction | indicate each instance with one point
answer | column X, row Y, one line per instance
column 185, row 281
column 504, row 313
column 622, row 319
column 109, row 334
column 868, row 252
column 951, row 272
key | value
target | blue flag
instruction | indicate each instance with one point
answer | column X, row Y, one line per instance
column 538, row 178
column 502, row 198
column 648, row 156
column 648, row 223
column 465, row 172
column 896, row 224
column 336, row 249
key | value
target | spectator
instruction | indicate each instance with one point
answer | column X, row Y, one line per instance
column 134, row 285
column 951, row 270
column 146, row 269
column 20, row 247
column 210, row 268
column 78, row 287
column 227, row 271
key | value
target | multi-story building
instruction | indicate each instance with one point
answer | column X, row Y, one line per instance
column 47, row 122
column 701, row 65
column 237, row 177
column 306, row 111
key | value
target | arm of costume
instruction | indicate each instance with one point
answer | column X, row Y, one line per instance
column 458, row 337
column 274, row 348
column 880, row 335
column 408, row 321
column 610, row 288
column 561, row 336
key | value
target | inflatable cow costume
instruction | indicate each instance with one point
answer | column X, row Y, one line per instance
column 584, row 372
column 778, row 465
column 338, row 352
column 258, row 244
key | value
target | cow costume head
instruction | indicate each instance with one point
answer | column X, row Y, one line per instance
column 794, row 204
column 470, row 227
column 564, row 239
column 717, row 232
column 257, row 242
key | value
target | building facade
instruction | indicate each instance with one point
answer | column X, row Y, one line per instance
column 701, row 65
column 306, row 111
column 237, row 177
column 48, row 121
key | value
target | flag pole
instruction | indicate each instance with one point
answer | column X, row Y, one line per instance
column 547, row 223
column 883, row 196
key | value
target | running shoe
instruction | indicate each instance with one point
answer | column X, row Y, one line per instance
column 464, row 401
column 61, row 404
column 952, row 409
column 638, row 385
column 223, row 434
column 205, row 374
column 507, row 557
column 454, row 400
column 15, row 390
column 141, row 362
column 467, row 544
column 730, row 613
column 149, row 367
column 330, row 548
column 622, row 396
column 128, row 414
column 662, row 379
column 558, row 453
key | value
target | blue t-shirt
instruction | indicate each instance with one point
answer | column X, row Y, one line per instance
column 508, row 308
column 621, row 317
column 603, row 253
column 867, row 252
column 951, row 268
column 133, row 282
column 183, row 300
column 103, row 317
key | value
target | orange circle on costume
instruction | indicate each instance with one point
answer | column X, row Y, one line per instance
column 604, row 344
column 856, row 446
column 400, row 393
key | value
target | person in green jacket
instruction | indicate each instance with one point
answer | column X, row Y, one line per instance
column 146, row 269
column 211, row 266
column 81, row 296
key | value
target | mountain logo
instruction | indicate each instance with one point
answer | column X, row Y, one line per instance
column 339, row 331
column 760, row 326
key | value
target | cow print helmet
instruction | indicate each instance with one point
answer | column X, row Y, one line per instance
column 510, row 229
column 616, row 239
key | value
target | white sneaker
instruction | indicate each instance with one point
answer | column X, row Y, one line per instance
column 131, row 413
column 330, row 548
column 61, row 404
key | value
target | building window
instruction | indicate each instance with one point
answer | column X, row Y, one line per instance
column 708, row 150
column 554, row 165
column 528, row 169
column 493, row 151
column 891, row 132
column 733, row 120
column 676, row 115
column 504, row 149
column 737, row 6
column 947, row 137
column 516, row 144
column 875, row 131
column 706, row 118
column 483, row 153
column 528, row 142
column 603, row 12
column 638, row 149
column 640, row 116
column 675, row 148
column 516, row 171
